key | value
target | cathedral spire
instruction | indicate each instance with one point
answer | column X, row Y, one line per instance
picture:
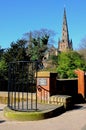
column 65, row 34
column 64, row 44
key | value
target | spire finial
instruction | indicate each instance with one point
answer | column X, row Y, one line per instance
column 64, row 6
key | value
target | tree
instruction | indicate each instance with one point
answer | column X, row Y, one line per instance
column 16, row 52
column 38, row 43
column 83, row 44
column 3, row 69
column 31, row 47
column 82, row 48
column 68, row 62
column 1, row 52
column 3, row 65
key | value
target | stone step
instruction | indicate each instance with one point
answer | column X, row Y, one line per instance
column 61, row 100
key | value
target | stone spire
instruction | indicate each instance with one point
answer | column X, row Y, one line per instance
column 65, row 34
column 64, row 44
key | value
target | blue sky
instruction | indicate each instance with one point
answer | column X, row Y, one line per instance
column 20, row 16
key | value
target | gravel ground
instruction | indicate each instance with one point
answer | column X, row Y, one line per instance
column 71, row 120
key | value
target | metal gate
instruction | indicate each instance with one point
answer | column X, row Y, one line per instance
column 22, row 94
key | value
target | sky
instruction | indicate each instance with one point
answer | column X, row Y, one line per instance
column 18, row 17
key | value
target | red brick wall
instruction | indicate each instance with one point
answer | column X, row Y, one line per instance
column 43, row 92
column 81, row 82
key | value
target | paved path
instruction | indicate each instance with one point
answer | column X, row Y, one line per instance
column 70, row 120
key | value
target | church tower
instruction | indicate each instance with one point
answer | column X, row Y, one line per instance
column 65, row 44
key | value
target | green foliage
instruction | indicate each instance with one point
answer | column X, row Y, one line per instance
column 16, row 52
column 32, row 48
column 54, row 59
column 37, row 46
column 3, row 69
column 1, row 53
column 51, row 63
column 3, row 65
column 68, row 62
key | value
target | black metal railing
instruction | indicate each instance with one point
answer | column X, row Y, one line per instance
column 22, row 94
column 3, row 85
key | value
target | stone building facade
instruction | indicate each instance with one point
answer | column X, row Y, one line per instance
column 64, row 44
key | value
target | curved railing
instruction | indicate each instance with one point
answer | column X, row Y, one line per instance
column 44, row 94
column 22, row 86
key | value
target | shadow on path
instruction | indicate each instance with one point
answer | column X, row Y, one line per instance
column 1, row 109
column 77, row 107
column 2, row 121
column 84, row 128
